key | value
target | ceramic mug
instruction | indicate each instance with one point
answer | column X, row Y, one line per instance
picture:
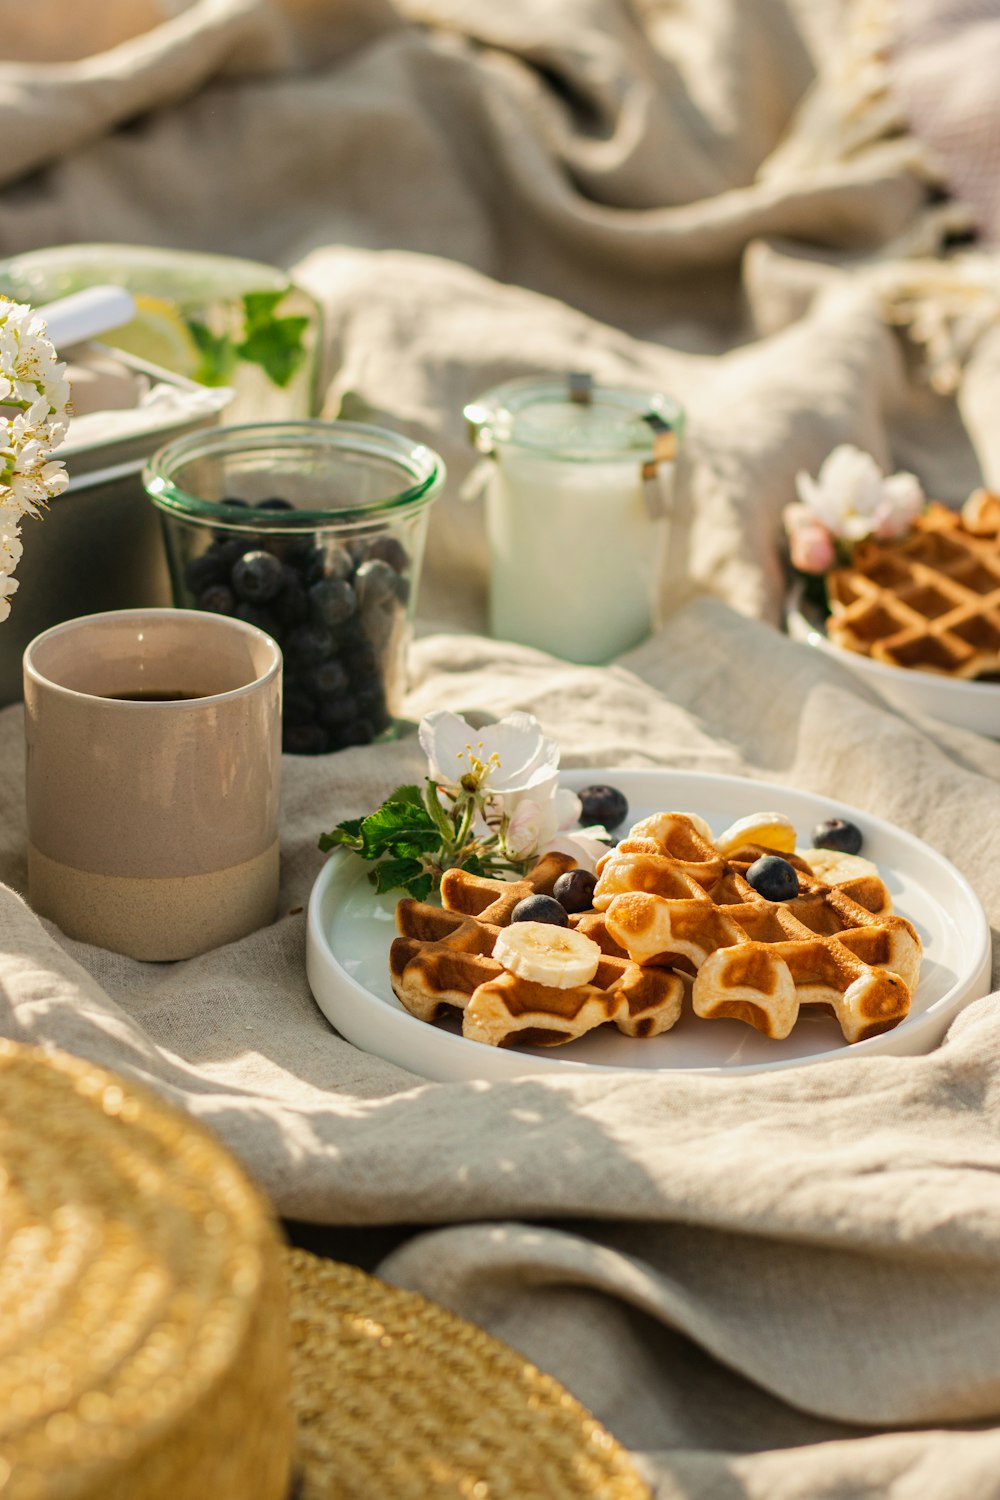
column 153, row 779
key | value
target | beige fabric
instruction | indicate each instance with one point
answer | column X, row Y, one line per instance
column 945, row 55
column 774, row 1289
column 724, row 1270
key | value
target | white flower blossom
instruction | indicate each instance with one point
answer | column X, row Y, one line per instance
column 853, row 499
column 503, row 762
column 7, row 587
column 34, row 397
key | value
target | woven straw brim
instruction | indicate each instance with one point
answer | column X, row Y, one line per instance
column 399, row 1399
column 144, row 1326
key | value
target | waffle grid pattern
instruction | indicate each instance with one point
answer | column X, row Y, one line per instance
column 930, row 601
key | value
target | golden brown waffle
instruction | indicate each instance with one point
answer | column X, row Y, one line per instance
column 930, row 600
column 442, row 964
column 670, row 899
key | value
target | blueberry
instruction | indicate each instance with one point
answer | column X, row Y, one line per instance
column 575, row 890
column 308, row 645
column 291, row 607
column 362, row 663
column 380, row 624
column 201, row 572
column 773, row 878
column 229, row 549
column 375, row 581
column 274, row 502
column 372, row 705
column 218, row 599
column 328, row 680
column 331, row 601
column 297, row 706
column 389, row 549
column 335, row 713
column 338, row 564
column 234, row 501
column 258, row 577
column 256, row 614
column 540, row 909
column 603, row 804
column 304, row 739
column 837, row 833
column 357, row 732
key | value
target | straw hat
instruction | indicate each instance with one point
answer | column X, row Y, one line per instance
column 154, row 1328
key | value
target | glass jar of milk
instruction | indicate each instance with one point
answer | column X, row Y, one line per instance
column 578, row 485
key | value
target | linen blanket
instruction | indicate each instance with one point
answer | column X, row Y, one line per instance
column 780, row 1286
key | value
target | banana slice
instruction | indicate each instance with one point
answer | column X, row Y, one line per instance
column 835, row 867
column 771, row 829
column 560, row 957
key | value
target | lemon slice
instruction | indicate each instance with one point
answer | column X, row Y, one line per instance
column 159, row 335
column 772, row 830
column 560, row 957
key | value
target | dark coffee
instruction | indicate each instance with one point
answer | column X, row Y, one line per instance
column 151, row 695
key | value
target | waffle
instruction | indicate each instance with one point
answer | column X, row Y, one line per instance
column 929, row 601
column 670, row 899
column 441, row 964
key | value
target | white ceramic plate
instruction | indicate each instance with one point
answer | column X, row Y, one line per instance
column 967, row 705
column 350, row 929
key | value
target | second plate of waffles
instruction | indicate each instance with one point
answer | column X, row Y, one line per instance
column 837, row 944
column 919, row 617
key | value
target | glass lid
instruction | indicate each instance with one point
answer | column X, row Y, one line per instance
column 572, row 419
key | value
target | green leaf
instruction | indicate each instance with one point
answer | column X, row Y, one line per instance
column 407, row 794
column 348, row 832
column 216, row 354
column 408, row 874
column 395, row 824
column 277, row 346
column 260, row 307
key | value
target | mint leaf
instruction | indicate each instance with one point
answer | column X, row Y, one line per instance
column 276, row 344
column 216, row 356
column 260, row 307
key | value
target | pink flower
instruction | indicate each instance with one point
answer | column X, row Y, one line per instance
column 809, row 541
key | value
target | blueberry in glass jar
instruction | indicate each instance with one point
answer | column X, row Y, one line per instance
column 316, row 538
column 257, row 577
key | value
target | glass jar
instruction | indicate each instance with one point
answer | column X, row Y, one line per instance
column 313, row 531
column 579, row 487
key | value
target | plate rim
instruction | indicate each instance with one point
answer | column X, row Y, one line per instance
column 556, row 1065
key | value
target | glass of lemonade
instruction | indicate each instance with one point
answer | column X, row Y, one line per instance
column 215, row 319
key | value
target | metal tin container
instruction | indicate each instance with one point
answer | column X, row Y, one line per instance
column 99, row 546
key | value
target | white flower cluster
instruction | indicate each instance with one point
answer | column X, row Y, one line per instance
column 34, row 396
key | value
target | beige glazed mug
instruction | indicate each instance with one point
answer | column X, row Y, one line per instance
column 153, row 779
